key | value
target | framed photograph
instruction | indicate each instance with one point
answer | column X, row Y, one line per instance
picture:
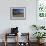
column 41, row 9
column 41, row 12
column 17, row 13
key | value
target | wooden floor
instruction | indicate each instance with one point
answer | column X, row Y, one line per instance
column 13, row 44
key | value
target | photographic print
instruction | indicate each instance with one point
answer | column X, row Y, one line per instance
column 17, row 13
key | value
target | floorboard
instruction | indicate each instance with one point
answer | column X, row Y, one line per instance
column 13, row 44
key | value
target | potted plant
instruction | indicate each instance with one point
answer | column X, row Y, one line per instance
column 35, row 26
column 38, row 27
column 39, row 35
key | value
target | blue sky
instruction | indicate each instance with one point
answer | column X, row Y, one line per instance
column 19, row 10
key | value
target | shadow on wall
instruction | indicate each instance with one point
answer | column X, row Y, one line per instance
column 8, row 30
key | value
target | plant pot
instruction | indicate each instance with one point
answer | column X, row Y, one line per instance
column 40, row 41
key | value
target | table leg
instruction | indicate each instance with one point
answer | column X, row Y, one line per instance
column 5, row 40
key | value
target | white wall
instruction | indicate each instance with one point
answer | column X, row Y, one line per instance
column 24, row 25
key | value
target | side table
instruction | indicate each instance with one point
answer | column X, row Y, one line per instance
column 9, row 34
